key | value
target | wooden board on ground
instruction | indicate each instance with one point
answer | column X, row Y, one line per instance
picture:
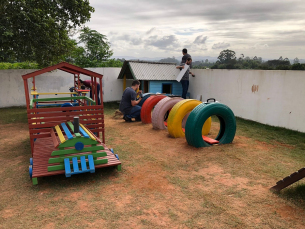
column 182, row 72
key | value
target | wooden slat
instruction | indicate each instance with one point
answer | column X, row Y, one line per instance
column 70, row 117
column 66, row 130
column 46, row 110
column 42, row 153
column 61, row 113
column 85, row 129
column 59, row 134
column 54, row 138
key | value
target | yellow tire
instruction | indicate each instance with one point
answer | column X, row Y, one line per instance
column 178, row 112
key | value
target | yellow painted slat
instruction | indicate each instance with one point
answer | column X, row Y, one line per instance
column 90, row 135
column 60, row 135
column 53, row 93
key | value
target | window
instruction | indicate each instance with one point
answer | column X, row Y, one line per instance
column 167, row 88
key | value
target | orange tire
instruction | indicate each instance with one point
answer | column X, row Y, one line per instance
column 147, row 107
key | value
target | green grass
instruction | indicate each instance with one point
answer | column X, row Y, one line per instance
column 13, row 115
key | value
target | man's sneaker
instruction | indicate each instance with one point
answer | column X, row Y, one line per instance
column 127, row 119
column 138, row 119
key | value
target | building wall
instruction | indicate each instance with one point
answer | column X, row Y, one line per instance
column 270, row 97
column 156, row 86
column 12, row 89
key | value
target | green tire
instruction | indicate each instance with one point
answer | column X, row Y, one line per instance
column 198, row 117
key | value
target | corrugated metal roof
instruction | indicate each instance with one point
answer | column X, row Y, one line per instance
column 148, row 70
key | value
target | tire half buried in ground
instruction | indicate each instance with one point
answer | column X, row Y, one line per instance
column 200, row 114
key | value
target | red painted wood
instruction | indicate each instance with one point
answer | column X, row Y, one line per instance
column 58, row 114
column 67, row 117
column 209, row 140
column 53, row 109
column 64, row 66
column 54, row 138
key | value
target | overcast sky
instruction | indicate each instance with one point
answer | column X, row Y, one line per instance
column 155, row 28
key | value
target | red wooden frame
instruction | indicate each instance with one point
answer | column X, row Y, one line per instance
column 46, row 118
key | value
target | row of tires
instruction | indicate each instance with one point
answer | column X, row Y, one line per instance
column 190, row 114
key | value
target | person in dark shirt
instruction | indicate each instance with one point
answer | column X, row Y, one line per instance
column 88, row 84
column 129, row 103
column 185, row 79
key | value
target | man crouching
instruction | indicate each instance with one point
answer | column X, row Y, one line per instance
column 129, row 103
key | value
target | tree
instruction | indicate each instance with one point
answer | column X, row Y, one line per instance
column 296, row 60
column 227, row 57
column 38, row 30
column 95, row 49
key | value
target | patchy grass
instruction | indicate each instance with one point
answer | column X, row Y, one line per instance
column 13, row 115
column 164, row 183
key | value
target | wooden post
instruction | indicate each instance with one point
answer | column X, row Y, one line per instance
column 124, row 83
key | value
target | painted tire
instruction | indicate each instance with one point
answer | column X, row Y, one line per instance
column 148, row 106
column 178, row 112
column 200, row 114
column 160, row 110
column 206, row 127
column 31, row 161
column 145, row 96
column 31, row 171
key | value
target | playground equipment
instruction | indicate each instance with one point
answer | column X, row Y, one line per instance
column 57, row 145
column 178, row 112
column 198, row 117
column 161, row 109
column 289, row 180
column 147, row 107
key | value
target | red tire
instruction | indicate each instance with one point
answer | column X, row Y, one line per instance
column 147, row 107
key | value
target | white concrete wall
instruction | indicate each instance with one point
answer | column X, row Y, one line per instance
column 271, row 97
column 12, row 89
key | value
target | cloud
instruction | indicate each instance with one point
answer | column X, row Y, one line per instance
column 151, row 31
column 200, row 39
column 260, row 46
column 162, row 42
column 222, row 45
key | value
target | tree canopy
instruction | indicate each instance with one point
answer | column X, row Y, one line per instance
column 93, row 50
column 38, row 30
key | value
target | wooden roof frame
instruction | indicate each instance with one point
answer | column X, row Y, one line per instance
column 64, row 66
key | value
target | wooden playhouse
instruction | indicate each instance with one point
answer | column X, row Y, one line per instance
column 67, row 139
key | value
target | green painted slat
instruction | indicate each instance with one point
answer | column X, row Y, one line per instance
column 70, row 151
column 71, row 143
column 61, row 159
column 62, row 167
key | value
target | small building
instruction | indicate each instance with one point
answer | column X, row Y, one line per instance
column 155, row 77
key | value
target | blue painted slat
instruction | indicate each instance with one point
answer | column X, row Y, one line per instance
column 67, row 131
column 81, row 130
column 67, row 167
column 91, row 164
column 75, row 165
column 83, row 163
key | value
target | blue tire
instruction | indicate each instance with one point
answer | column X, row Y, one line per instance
column 30, row 171
column 117, row 156
column 111, row 150
column 31, row 161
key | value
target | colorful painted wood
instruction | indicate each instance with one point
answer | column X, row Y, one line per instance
column 74, row 146
column 76, row 170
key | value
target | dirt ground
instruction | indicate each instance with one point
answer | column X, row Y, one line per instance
column 164, row 183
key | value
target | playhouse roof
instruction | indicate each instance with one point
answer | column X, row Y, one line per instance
column 64, row 66
column 142, row 70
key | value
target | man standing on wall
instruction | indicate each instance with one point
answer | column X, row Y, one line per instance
column 185, row 79
column 129, row 105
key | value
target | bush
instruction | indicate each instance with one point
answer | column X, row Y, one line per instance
column 298, row 66
column 20, row 65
